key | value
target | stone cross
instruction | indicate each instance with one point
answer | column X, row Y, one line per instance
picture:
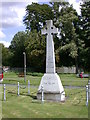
column 49, row 30
column 52, row 86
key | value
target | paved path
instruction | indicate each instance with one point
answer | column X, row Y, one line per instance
column 74, row 87
column 35, row 86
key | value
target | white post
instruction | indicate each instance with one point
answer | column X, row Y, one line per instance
column 18, row 88
column 4, row 92
column 28, row 87
column 86, row 95
column 42, row 94
column 89, row 89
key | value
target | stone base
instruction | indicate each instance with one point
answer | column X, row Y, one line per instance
column 53, row 89
column 52, row 96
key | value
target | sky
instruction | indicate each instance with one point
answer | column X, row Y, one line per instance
column 11, row 17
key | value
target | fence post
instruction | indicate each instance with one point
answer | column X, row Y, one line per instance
column 42, row 94
column 89, row 90
column 86, row 95
column 18, row 88
column 28, row 87
column 4, row 92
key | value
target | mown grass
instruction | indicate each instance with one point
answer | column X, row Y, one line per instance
column 12, row 78
column 35, row 78
column 72, row 80
column 27, row 106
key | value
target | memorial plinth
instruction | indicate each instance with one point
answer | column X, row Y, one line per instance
column 53, row 89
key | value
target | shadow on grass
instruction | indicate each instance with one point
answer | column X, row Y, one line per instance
column 33, row 96
column 12, row 92
column 24, row 94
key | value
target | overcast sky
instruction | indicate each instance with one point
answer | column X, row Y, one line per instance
column 11, row 17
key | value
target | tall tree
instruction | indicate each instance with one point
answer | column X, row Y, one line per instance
column 85, row 32
column 67, row 20
column 36, row 15
column 6, row 56
column 17, row 47
column 35, row 49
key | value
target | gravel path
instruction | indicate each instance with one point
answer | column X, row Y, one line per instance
column 35, row 86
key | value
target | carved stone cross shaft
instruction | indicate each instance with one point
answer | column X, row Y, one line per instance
column 50, row 55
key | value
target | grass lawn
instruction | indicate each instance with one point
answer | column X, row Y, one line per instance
column 26, row 106
column 35, row 78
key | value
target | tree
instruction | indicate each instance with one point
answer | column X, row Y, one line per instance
column 70, row 42
column 17, row 48
column 69, row 45
column 35, row 49
column 6, row 56
column 36, row 15
column 85, row 32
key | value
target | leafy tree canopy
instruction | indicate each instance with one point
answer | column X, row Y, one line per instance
column 37, row 14
column 6, row 55
column 35, row 49
column 17, row 47
column 85, row 32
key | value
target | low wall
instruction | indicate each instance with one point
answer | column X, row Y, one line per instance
column 66, row 69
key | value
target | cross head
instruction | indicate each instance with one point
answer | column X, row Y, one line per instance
column 50, row 29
